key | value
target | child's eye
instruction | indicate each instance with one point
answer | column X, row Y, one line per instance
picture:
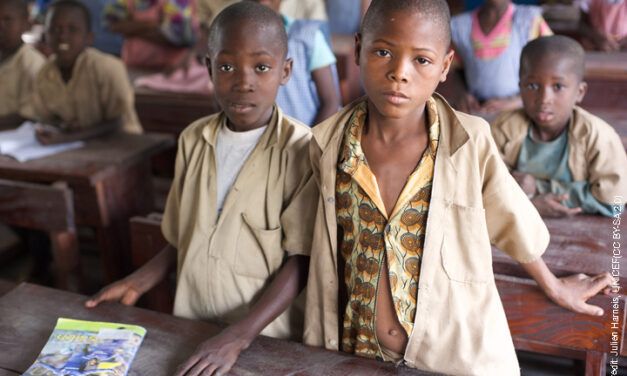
column 262, row 68
column 532, row 86
column 226, row 68
column 558, row 87
column 422, row 61
column 382, row 53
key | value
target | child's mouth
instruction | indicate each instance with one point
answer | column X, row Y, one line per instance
column 545, row 116
column 64, row 46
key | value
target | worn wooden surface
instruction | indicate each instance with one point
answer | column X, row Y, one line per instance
column 581, row 244
column 29, row 313
column 110, row 180
column 6, row 286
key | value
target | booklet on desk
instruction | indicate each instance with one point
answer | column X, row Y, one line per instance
column 21, row 143
column 78, row 348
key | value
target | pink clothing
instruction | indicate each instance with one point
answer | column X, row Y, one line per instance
column 609, row 17
column 196, row 80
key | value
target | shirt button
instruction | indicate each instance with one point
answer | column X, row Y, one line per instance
column 330, row 200
column 387, row 228
column 332, row 342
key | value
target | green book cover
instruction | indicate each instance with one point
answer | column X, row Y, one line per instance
column 78, row 347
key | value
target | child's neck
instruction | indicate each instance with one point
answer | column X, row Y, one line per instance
column 490, row 15
column 391, row 131
column 5, row 54
column 547, row 134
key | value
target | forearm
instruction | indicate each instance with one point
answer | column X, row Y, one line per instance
column 104, row 128
column 545, row 279
column 289, row 282
column 155, row 270
column 579, row 195
column 327, row 93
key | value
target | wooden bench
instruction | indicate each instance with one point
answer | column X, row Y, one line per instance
column 48, row 208
column 146, row 241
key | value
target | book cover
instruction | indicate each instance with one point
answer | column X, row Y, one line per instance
column 78, row 347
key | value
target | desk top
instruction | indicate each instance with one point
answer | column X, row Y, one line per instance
column 611, row 65
column 97, row 160
column 29, row 313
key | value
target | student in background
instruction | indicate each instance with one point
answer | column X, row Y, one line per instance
column 567, row 160
column 19, row 64
column 604, row 23
column 237, row 218
column 80, row 91
column 345, row 15
column 157, row 33
column 412, row 194
column 312, row 94
column 488, row 42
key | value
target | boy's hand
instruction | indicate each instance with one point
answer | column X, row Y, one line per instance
column 124, row 291
column 526, row 181
column 49, row 135
column 548, row 205
column 572, row 292
column 495, row 105
column 216, row 356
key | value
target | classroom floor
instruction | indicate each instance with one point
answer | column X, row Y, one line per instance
column 20, row 262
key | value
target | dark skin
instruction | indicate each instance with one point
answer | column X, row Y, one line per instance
column 13, row 22
column 489, row 15
column 322, row 78
column 550, row 88
column 401, row 65
column 246, row 67
column 67, row 35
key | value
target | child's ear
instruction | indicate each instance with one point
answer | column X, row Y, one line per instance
column 581, row 91
column 448, row 60
column 287, row 71
column 357, row 47
column 208, row 64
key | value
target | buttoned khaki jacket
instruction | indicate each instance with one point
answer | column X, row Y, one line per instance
column 596, row 153
column 17, row 74
column 225, row 262
column 99, row 90
column 460, row 326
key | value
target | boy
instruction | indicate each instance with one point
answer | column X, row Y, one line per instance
column 231, row 262
column 311, row 95
column 81, row 91
column 566, row 159
column 19, row 63
column 398, row 286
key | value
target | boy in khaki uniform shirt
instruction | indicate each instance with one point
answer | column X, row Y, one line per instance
column 412, row 194
column 241, row 260
column 81, row 91
column 19, row 64
column 565, row 158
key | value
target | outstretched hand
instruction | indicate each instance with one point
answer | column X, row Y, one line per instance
column 573, row 291
column 216, row 356
column 549, row 205
column 124, row 291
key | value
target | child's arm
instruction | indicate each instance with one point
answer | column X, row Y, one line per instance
column 327, row 93
column 69, row 133
column 495, row 105
column 569, row 292
column 464, row 101
column 219, row 353
column 129, row 289
column 600, row 41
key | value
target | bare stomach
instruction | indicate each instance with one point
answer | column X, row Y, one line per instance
column 390, row 333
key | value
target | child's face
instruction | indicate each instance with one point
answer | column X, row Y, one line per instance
column 67, row 34
column 272, row 4
column 13, row 23
column 246, row 67
column 402, row 60
column 550, row 87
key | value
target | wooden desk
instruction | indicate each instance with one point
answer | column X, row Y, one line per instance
column 110, row 181
column 6, row 286
column 606, row 75
column 168, row 342
column 581, row 244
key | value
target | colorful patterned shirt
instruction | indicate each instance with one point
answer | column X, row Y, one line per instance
column 368, row 235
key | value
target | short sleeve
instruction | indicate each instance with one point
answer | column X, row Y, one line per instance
column 177, row 23
column 321, row 55
column 170, row 219
column 118, row 96
column 539, row 28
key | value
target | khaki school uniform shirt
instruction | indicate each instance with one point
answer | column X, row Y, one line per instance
column 596, row 153
column 99, row 90
column 17, row 74
column 226, row 261
column 460, row 326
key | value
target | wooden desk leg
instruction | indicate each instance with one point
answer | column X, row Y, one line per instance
column 595, row 363
column 124, row 195
column 66, row 260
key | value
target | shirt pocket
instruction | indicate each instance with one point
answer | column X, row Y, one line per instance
column 466, row 256
column 258, row 253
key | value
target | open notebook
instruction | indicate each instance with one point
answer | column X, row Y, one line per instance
column 21, row 143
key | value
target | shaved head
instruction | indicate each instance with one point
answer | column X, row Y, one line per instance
column 19, row 5
column 556, row 46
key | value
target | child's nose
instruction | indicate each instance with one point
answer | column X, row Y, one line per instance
column 398, row 71
column 245, row 80
column 546, row 95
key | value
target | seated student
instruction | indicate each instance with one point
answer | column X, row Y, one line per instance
column 345, row 15
column 19, row 64
column 236, row 216
column 81, row 91
column 488, row 42
column 568, row 160
column 412, row 193
column 157, row 33
column 603, row 23
column 311, row 95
